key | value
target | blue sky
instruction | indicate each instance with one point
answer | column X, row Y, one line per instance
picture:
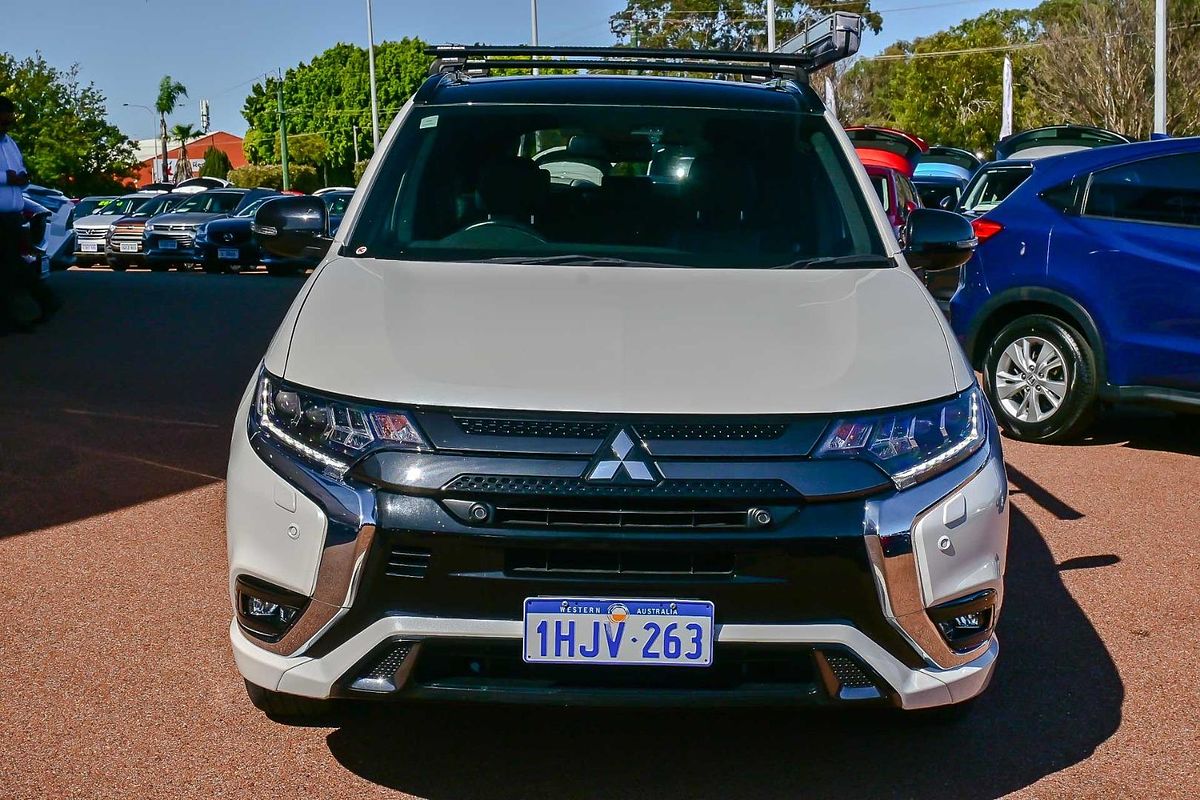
column 218, row 48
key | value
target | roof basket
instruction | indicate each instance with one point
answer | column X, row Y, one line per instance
column 826, row 41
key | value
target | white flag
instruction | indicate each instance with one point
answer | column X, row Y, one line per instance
column 1006, row 111
column 830, row 97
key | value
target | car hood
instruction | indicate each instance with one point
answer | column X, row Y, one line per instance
column 230, row 223
column 618, row 340
column 186, row 218
column 104, row 221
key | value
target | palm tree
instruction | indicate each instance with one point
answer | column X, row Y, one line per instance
column 169, row 92
column 183, row 134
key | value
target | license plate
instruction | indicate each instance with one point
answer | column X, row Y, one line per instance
column 168, row 244
column 643, row 632
column 129, row 247
column 230, row 253
column 91, row 247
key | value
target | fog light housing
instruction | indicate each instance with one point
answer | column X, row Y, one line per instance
column 967, row 622
column 267, row 611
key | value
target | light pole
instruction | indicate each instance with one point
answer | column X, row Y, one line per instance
column 533, row 19
column 1160, row 67
column 153, row 120
column 770, row 26
column 371, row 65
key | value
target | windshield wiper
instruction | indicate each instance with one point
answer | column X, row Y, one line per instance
column 576, row 260
column 838, row 262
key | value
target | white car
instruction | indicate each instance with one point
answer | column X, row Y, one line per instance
column 92, row 231
column 677, row 436
column 60, row 236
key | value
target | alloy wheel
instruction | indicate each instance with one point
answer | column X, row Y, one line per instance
column 1031, row 379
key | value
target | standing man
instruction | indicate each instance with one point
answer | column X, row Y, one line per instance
column 15, row 274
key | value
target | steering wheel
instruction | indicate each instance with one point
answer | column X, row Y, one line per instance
column 496, row 233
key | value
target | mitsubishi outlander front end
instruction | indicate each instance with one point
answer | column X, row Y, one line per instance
column 615, row 389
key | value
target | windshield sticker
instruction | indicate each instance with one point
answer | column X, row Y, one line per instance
column 430, row 121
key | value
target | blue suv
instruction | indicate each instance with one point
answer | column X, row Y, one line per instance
column 1085, row 288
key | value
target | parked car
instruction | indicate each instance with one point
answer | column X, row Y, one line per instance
column 35, row 234
column 226, row 244
column 1085, row 288
column 169, row 239
column 491, row 453
column 335, row 207
column 890, row 157
column 58, row 244
column 92, row 231
column 123, row 245
column 942, row 174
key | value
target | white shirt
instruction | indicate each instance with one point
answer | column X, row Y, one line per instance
column 10, row 158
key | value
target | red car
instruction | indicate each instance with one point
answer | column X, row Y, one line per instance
column 890, row 157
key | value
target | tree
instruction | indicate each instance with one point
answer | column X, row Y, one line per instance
column 329, row 96
column 216, row 164
column 930, row 88
column 183, row 133
column 723, row 24
column 1097, row 65
column 308, row 148
column 64, row 137
column 169, row 92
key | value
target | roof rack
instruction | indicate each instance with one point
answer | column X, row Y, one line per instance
column 826, row 41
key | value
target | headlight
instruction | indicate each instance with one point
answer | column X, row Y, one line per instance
column 914, row 444
column 202, row 233
column 330, row 433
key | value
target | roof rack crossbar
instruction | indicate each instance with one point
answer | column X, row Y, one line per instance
column 828, row 40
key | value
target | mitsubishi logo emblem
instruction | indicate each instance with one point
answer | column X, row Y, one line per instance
column 625, row 455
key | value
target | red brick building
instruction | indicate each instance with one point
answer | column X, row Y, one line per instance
column 150, row 152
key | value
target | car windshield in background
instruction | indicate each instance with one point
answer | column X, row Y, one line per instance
column 155, row 205
column 991, row 187
column 933, row 194
column 249, row 210
column 85, row 208
column 336, row 203
column 615, row 185
column 120, row 206
column 209, row 203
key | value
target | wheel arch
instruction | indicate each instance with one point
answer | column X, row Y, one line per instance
column 1014, row 303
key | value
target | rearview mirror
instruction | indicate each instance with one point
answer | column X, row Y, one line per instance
column 293, row 227
column 937, row 240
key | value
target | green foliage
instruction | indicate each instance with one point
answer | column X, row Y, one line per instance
column 359, row 168
column 308, row 148
column 723, row 24
column 62, row 131
column 303, row 177
column 216, row 164
column 329, row 96
column 947, row 99
column 169, row 92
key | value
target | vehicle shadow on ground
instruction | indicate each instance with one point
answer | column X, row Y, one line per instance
column 129, row 393
column 1146, row 429
column 1055, row 697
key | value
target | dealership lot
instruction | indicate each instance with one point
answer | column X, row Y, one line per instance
column 114, row 431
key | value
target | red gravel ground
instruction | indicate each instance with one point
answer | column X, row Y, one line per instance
column 116, row 678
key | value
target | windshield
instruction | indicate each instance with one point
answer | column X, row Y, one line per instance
column 249, row 210
column 121, row 206
column 210, row 203
column 336, row 203
column 86, row 207
column 933, row 195
column 155, row 205
column 692, row 187
column 991, row 187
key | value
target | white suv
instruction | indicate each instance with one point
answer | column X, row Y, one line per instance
column 615, row 389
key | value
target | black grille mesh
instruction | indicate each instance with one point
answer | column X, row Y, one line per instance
column 849, row 673
column 385, row 668
column 408, row 562
column 711, row 432
column 533, row 428
column 577, row 487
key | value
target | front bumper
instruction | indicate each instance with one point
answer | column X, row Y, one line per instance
column 852, row 577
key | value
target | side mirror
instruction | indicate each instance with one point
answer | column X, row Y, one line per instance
column 293, row 227
column 938, row 240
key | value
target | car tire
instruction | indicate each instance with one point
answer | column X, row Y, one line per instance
column 289, row 707
column 235, row 267
column 214, row 267
column 118, row 266
column 182, row 266
column 281, row 271
column 159, row 266
column 1040, row 377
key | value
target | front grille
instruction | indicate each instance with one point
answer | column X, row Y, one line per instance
column 408, row 562
column 127, row 233
column 634, row 564
column 543, row 429
column 718, row 432
column 640, row 518
column 91, row 234
column 578, row 487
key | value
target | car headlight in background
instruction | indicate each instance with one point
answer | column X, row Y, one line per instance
column 913, row 444
column 331, row 434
